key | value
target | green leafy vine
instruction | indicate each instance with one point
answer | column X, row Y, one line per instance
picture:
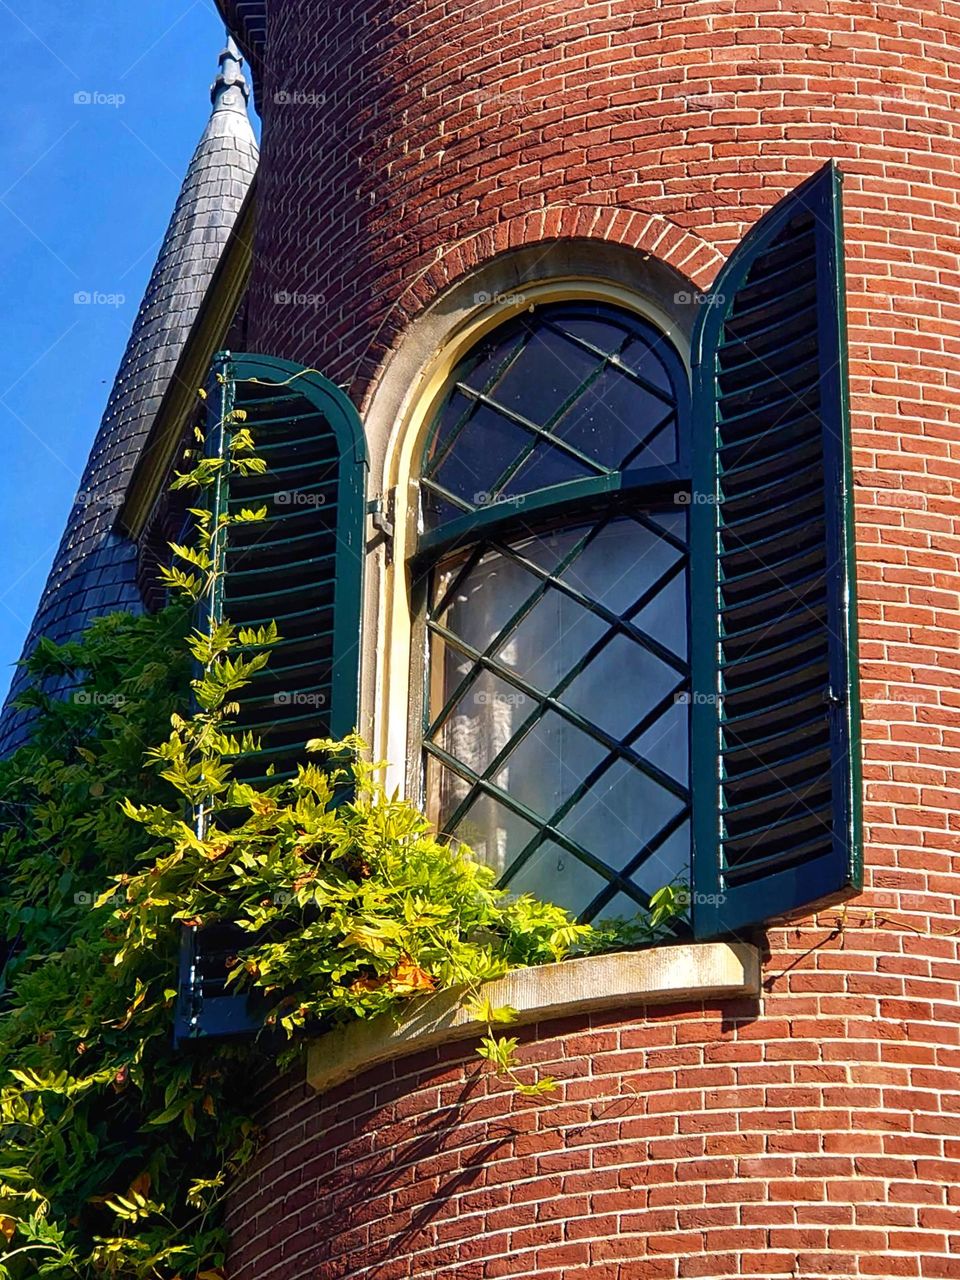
column 117, row 1150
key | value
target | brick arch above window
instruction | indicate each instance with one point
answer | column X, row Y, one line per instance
column 687, row 255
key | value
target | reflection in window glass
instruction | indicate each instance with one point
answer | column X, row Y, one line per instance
column 558, row 727
column 567, row 392
column 557, row 714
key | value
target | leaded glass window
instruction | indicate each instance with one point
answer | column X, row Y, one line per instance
column 555, row 490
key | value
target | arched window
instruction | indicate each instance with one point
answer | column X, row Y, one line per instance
column 555, row 488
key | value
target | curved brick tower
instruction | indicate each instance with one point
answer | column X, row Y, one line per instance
column 411, row 150
column 94, row 570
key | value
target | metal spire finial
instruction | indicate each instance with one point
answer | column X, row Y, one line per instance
column 230, row 90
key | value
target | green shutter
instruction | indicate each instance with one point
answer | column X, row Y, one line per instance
column 775, row 751
column 302, row 566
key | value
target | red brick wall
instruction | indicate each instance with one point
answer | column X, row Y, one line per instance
column 818, row 1134
column 801, row 1139
column 418, row 127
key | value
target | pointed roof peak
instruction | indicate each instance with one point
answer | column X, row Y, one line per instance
column 230, row 91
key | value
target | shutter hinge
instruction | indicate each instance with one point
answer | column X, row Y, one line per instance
column 832, row 698
column 381, row 512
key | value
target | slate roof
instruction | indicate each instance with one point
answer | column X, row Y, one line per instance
column 94, row 571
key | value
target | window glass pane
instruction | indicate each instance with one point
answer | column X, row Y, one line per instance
column 545, row 467
column 548, row 374
column 537, row 633
column 612, row 418
column 484, row 449
column 551, row 640
column 658, row 619
column 620, row 563
column 673, row 522
column 493, row 832
column 485, row 599
column 492, row 359
column 455, row 414
column 607, row 336
column 621, row 907
column 446, row 792
column 483, row 720
column 547, row 550
column 549, row 764
column 668, row 864
column 585, row 608
column 449, row 668
column 623, row 811
column 620, row 686
column 584, row 377
column 658, row 449
column 436, row 509
column 666, row 743
column 555, row 874
column 641, row 356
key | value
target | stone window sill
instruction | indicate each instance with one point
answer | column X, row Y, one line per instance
column 660, row 976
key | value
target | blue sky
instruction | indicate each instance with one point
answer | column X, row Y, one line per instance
column 86, row 190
